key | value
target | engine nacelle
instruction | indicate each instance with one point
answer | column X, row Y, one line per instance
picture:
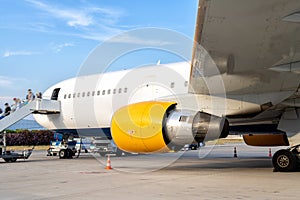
column 159, row 127
column 187, row 126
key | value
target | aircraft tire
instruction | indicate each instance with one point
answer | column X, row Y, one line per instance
column 284, row 161
column 7, row 159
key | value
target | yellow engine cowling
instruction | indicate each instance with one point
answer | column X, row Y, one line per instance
column 149, row 127
column 139, row 127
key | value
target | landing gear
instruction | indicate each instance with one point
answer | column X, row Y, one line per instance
column 286, row 160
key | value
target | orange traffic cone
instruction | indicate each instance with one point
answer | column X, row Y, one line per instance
column 270, row 153
column 108, row 164
column 234, row 152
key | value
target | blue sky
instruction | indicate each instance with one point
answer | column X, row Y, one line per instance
column 44, row 42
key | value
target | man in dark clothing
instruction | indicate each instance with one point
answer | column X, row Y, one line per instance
column 6, row 111
column 30, row 96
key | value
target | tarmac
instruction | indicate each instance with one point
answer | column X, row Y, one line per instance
column 209, row 173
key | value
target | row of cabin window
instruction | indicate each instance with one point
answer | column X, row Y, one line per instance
column 172, row 85
column 114, row 91
column 98, row 93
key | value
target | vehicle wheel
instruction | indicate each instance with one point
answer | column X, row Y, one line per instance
column 193, row 147
column 284, row 161
column 62, row 153
column 13, row 159
column 54, row 154
column 7, row 159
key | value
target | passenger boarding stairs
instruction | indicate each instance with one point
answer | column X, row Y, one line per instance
column 38, row 106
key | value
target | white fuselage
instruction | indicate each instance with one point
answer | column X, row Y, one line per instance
column 89, row 102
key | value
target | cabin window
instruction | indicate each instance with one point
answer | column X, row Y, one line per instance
column 88, row 94
column 69, row 96
column 120, row 90
column 108, row 91
column 83, row 94
column 93, row 93
column 74, row 95
column 65, row 96
column 125, row 90
column 98, row 92
column 172, row 85
column 115, row 90
column 78, row 94
column 186, row 83
column 103, row 92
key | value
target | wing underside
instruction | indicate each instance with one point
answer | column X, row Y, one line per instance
column 251, row 42
column 247, row 52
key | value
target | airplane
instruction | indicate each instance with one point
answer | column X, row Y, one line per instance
column 243, row 77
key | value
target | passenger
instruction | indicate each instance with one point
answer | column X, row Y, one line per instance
column 38, row 95
column 6, row 111
column 17, row 104
column 30, row 96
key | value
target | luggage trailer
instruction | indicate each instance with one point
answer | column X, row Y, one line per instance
column 10, row 156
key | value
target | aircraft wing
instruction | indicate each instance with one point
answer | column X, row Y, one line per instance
column 252, row 40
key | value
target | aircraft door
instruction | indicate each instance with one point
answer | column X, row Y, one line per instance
column 55, row 94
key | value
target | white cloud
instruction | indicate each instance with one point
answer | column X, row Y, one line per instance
column 100, row 37
column 40, row 26
column 81, row 17
column 18, row 53
column 58, row 47
column 5, row 99
column 139, row 41
column 5, row 82
column 8, row 82
column 86, row 20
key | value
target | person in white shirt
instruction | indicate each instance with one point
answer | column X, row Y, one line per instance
column 17, row 104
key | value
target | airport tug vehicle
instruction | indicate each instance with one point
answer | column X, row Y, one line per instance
column 64, row 149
